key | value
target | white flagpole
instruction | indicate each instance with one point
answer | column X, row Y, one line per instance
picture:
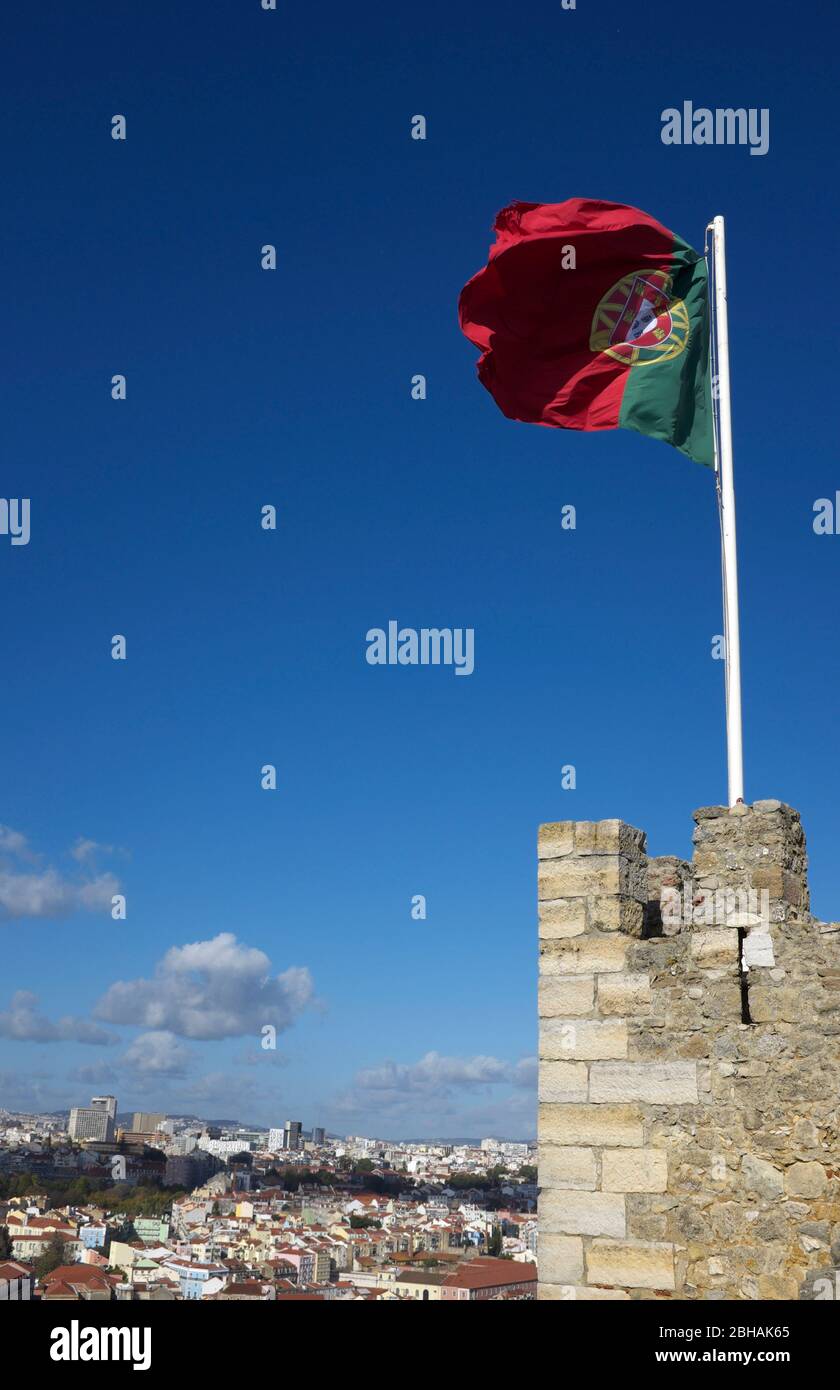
column 726, row 484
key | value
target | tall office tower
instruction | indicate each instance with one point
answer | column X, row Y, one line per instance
column 276, row 1140
column 318, row 1136
column 292, row 1132
column 107, row 1103
column 94, row 1121
column 146, row 1121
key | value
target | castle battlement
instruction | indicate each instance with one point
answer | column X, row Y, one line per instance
column 689, row 1064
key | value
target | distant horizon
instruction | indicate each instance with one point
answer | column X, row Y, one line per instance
column 240, row 1124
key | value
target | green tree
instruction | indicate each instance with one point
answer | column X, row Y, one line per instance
column 5, row 1244
column 79, row 1190
column 53, row 1256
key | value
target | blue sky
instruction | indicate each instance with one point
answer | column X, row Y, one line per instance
column 292, row 388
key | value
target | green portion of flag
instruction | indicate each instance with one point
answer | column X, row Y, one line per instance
column 668, row 392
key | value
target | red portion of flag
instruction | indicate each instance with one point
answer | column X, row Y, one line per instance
column 533, row 318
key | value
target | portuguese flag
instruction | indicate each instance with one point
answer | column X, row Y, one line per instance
column 593, row 316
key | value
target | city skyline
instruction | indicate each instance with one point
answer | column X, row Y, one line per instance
column 195, row 1212
column 231, row 1122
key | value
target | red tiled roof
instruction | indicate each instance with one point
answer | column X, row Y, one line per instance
column 80, row 1274
column 489, row 1273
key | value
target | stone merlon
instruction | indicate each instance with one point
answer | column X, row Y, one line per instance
column 689, row 1061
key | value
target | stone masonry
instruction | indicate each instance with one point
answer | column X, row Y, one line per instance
column 689, row 1064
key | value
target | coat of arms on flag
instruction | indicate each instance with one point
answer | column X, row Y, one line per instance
column 639, row 321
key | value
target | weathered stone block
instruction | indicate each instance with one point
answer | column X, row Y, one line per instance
column 715, row 948
column 560, row 1258
column 563, row 1081
column 556, row 839
column 566, row 1167
column 634, row 1170
column 609, row 837
column 777, row 1289
column 631, row 1264
column 657, row 1083
column 762, row 1177
column 586, row 955
column 565, row 917
column 571, row 996
column 585, row 1040
column 627, row 995
column 723, row 1001
column 618, row 1126
column 582, row 1213
column 806, row 1180
column 778, row 882
column 622, row 913
column 581, row 876
column 771, row 1004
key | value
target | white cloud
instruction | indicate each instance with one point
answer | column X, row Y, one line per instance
column 49, row 894
column 434, row 1073
column 23, row 1023
column 427, row 1085
column 525, row 1073
column 84, row 849
column 212, row 989
column 36, row 892
column 156, row 1054
column 12, row 842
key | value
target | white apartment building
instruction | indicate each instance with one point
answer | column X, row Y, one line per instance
column 224, row 1148
column 94, row 1121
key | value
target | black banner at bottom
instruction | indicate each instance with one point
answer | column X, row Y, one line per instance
column 648, row 1335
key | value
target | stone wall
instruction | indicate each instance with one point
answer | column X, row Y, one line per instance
column 689, row 1067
